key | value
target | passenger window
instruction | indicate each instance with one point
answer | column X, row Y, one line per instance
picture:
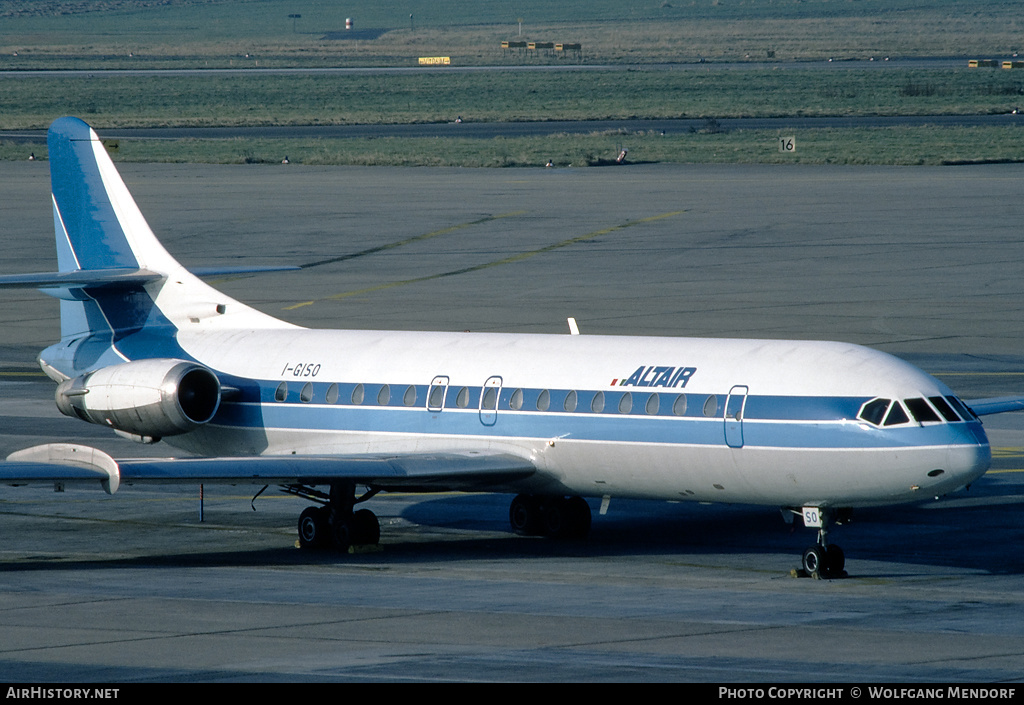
column 626, row 403
column 384, row 395
column 597, row 404
column 490, row 400
column 896, row 415
column 544, row 400
column 516, row 402
column 711, row 406
column 653, row 403
column 436, row 398
column 679, row 405
column 332, row 394
column 306, row 395
column 874, row 411
column 944, row 408
column 358, row 394
column 462, row 398
column 409, row 398
column 921, row 412
column 570, row 401
column 282, row 392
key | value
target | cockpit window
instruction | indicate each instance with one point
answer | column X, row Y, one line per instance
column 896, row 415
column 965, row 412
column 874, row 411
column 921, row 411
column 944, row 408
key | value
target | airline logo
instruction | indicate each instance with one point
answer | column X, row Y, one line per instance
column 656, row 376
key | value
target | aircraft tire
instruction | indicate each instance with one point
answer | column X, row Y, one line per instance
column 835, row 561
column 365, row 528
column 556, row 519
column 580, row 517
column 566, row 518
column 313, row 528
column 524, row 515
column 813, row 561
column 341, row 536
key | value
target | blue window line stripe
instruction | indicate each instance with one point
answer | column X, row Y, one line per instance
column 585, row 426
column 768, row 407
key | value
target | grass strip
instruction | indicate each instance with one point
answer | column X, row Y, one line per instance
column 927, row 145
column 323, row 99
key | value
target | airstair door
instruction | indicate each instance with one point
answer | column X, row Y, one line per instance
column 489, row 396
column 735, row 405
column 436, row 393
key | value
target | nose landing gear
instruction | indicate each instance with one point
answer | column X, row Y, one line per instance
column 823, row 560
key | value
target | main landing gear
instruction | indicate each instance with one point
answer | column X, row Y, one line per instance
column 824, row 560
column 336, row 524
column 551, row 516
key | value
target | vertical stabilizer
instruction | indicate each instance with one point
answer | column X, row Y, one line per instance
column 125, row 282
column 97, row 223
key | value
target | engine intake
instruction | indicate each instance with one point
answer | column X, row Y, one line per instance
column 161, row 397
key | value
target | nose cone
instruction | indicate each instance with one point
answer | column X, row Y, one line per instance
column 969, row 461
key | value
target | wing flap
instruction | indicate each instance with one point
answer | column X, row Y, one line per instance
column 462, row 470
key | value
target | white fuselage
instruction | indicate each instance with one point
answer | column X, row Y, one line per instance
column 745, row 421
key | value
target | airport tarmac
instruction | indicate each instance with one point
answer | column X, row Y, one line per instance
column 921, row 262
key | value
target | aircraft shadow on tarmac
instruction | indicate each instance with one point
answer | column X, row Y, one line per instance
column 930, row 535
column 460, row 528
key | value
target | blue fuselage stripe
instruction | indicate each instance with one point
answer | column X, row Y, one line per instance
column 771, row 421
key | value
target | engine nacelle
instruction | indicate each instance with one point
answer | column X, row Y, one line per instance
column 148, row 398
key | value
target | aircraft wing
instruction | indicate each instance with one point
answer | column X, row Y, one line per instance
column 995, row 405
column 62, row 463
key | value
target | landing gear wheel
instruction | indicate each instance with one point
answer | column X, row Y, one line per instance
column 313, row 528
column 835, row 561
column 555, row 521
column 365, row 528
column 580, row 517
column 566, row 518
column 552, row 516
column 341, row 535
column 813, row 561
column 524, row 515
column 824, row 561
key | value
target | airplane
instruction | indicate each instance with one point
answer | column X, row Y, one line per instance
column 149, row 350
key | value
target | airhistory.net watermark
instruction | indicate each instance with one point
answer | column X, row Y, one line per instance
column 51, row 693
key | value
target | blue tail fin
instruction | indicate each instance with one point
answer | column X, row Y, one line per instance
column 123, row 296
column 94, row 215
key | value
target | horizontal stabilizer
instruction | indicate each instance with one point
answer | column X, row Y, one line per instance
column 226, row 271
column 116, row 276
column 59, row 463
column 996, row 405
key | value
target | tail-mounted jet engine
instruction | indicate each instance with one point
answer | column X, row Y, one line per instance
column 145, row 398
